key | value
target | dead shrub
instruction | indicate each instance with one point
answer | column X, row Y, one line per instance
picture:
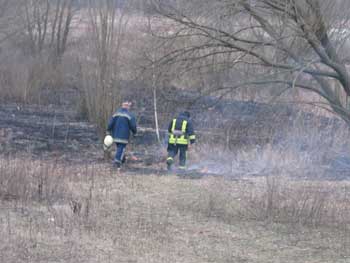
column 279, row 199
column 33, row 80
column 26, row 180
column 272, row 199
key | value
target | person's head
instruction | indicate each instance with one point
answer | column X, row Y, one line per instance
column 126, row 104
column 187, row 114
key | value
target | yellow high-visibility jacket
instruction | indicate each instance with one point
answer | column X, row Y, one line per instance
column 181, row 131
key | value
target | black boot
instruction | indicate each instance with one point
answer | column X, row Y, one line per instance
column 117, row 164
column 169, row 163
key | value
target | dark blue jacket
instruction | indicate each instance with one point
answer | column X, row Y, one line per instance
column 120, row 125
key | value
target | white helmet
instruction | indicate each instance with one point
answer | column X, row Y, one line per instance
column 108, row 141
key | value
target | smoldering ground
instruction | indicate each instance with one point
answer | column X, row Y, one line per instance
column 234, row 139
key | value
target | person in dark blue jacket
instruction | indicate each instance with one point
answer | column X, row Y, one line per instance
column 120, row 127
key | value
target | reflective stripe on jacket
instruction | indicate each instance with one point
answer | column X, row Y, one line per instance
column 121, row 125
column 181, row 131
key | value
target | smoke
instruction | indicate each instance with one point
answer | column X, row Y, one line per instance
column 307, row 151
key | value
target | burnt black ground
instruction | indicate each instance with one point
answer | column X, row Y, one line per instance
column 47, row 132
column 57, row 133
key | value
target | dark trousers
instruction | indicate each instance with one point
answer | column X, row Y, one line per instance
column 172, row 152
column 120, row 153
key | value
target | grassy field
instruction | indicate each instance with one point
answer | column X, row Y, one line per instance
column 52, row 212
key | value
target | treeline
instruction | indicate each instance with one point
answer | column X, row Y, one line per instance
column 244, row 50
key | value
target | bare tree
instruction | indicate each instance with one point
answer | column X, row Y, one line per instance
column 285, row 43
column 61, row 25
column 48, row 24
column 9, row 17
column 37, row 19
column 107, row 23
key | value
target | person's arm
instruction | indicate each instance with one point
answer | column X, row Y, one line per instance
column 110, row 125
column 170, row 126
column 133, row 126
column 190, row 132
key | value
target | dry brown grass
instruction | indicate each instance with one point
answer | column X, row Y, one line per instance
column 96, row 215
column 34, row 80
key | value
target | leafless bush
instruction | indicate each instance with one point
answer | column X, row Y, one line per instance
column 101, row 71
column 27, row 181
column 132, row 217
column 35, row 40
column 33, row 81
column 272, row 199
column 298, row 202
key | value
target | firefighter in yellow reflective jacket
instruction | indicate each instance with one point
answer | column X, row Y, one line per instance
column 181, row 134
